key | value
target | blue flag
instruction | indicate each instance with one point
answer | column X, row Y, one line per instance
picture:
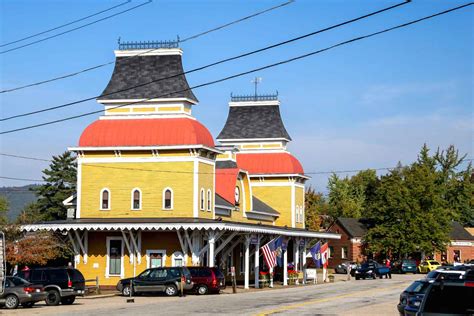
column 316, row 254
column 281, row 245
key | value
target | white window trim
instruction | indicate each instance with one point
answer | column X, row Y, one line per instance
column 149, row 251
column 140, row 200
column 100, row 199
column 209, row 200
column 177, row 255
column 202, row 200
column 163, row 198
column 107, row 264
column 343, row 253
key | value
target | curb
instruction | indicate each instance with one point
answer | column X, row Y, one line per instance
column 93, row 297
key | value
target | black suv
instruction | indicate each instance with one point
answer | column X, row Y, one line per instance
column 167, row 280
column 448, row 297
column 61, row 284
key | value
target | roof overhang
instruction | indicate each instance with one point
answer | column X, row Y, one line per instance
column 159, row 225
column 130, row 148
column 278, row 175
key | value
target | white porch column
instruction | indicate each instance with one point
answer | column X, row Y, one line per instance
column 196, row 242
column 285, row 267
column 296, row 248
column 257, row 262
column 247, row 261
column 211, row 241
column 304, row 263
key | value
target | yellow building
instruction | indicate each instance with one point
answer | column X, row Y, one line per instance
column 154, row 189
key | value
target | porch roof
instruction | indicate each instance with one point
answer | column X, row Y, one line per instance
column 163, row 224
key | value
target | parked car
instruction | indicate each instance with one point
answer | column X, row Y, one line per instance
column 428, row 266
column 448, row 297
column 207, row 280
column 342, row 268
column 371, row 270
column 19, row 291
column 61, row 284
column 410, row 296
column 405, row 266
column 450, row 274
column 165, row 280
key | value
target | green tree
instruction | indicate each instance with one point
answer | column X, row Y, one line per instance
column 345, row 199
column 60, row 180
column 410, row 213
column 30, row 214
column 316, row 208
column 3, row 210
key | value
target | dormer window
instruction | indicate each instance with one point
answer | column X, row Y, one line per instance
column 167, row 199
column 105, row 199
column 136, row 199
column 237, row 196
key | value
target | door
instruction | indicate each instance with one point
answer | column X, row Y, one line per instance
column 146, row 282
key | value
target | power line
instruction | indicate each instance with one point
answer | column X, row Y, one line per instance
column 21, row 179
column 192, row 172
column 247, row 72
column 64, row 25
column 145, row 52
column 76, row 28
column 209, row 65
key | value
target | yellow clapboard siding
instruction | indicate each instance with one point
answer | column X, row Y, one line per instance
column 144, row 109
column 170, row 109
column 279, row 198
column 206, row 182
column 271, row 146
column 118, row 110
column 150, row 181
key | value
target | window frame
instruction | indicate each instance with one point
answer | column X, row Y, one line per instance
column 101, row 200
column 209, row 200
column 202, row 201
column 178, row 255
column 133, row 199
column 163, row 196
column 107, row 263
column 344, row 252
column 148, row 258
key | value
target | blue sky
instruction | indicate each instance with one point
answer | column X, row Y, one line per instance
column 369, row 104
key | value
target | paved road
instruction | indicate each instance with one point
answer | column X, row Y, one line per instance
column 364, row 297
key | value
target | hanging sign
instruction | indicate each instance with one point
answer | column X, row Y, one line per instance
column 254, row 240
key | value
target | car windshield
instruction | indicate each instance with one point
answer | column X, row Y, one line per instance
column 432, row 274
column 145, row 274
column 409, row 262
column 19, row 281
column 368, row 265
column 434, row 263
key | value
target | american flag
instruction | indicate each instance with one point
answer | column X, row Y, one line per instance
column 269, row 253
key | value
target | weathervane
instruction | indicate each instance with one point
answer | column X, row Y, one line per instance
column 256, row 81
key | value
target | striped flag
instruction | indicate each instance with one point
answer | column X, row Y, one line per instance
column 325, row 255
column 269, row 253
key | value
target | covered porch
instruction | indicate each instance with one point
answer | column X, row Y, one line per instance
column 111, row 249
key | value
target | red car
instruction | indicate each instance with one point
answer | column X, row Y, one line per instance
column 207, row 280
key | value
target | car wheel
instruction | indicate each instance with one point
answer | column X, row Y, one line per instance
column 12, row 302
column 171, row 290
column 202, row 290
column 28, row 305
column 126, row 290
column 357, row 278
column 68, row 300
column 53, row 298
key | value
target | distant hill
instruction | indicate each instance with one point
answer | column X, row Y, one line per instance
column 18, row 198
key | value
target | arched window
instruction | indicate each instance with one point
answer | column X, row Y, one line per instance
column 209, row 200
column 297, row 214
column 105, row 199
column 167, row 199
column 136, row 199
column 202, row 200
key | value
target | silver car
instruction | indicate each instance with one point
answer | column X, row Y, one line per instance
column 19, row 291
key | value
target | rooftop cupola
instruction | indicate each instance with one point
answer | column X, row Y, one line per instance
column 254, row 123
column 150, row 76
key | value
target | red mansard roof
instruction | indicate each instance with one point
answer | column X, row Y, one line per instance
column 269, row 163
column 145, row 132
column 225, row 183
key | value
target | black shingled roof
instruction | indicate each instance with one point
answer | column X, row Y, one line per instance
column 226, row 164
column 353, row 226
column 260, row 206
column 130, row 72
column 459, row 233
column 220, row 201
column 254, row 122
